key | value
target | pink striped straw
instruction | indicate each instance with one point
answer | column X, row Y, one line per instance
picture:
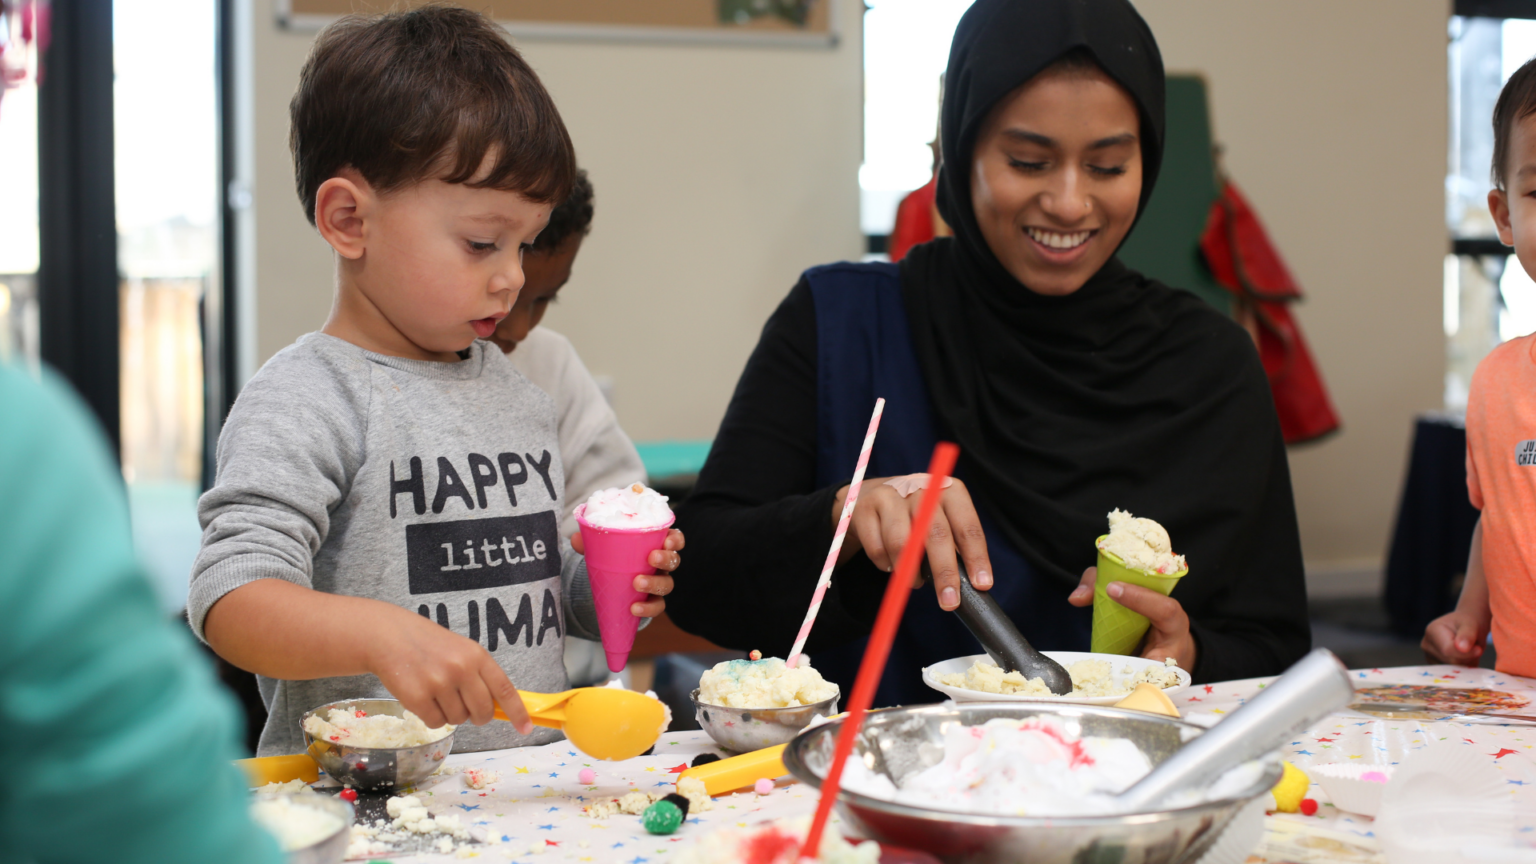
column 837, row 538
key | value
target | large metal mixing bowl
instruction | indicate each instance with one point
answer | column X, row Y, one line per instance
column 897, row 742
column 370, row 768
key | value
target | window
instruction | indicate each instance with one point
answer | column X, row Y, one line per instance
column 906, row 47
column 168, row 221
column 18, row 206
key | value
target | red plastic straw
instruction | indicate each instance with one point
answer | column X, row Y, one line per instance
column 879, row 649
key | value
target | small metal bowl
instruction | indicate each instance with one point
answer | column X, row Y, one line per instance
column 332, row 849
column 900, row 741
column 371, row 768
column 742, row 730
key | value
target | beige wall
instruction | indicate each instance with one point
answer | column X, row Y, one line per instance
column 1333, row 119
column 721, row 173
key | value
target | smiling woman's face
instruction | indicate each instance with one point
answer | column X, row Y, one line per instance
column 1056, row 177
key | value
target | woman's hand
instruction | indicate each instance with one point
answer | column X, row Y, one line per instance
column 1169, row 634
column 657, row 585
column 882, row 519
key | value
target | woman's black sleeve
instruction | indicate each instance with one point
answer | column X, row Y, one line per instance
column 757, row 526
column 1253, row 621
column 1259, row 625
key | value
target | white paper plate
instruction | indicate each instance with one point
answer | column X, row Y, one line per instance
column 1348, row 790
column 1447, row 804
column 1118, row 665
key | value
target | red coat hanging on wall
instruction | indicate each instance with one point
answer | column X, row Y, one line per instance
column 1244, row 261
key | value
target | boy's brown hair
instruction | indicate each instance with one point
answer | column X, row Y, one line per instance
column 1517, row 101
column 408, row 96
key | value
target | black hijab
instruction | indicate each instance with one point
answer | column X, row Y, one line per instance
column 1123, row 394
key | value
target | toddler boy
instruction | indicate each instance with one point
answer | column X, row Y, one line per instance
column 385, row 515
column 1500, row 589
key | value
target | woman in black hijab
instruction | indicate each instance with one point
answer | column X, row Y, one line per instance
column 1072, row 384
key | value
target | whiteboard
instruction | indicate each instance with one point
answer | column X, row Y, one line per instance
column 788, row 23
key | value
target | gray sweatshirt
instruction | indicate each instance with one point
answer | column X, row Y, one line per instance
column 434, row 486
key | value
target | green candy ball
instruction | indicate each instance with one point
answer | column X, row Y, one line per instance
column 663, row 817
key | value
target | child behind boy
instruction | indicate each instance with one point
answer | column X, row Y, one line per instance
column 594, row 450
column 1500, row 587
column 385, row 515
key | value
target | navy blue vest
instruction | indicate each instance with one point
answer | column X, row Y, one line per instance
column 863, row 352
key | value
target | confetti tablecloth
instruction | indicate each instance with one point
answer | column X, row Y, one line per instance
column 1404, row 709
column 537, row 804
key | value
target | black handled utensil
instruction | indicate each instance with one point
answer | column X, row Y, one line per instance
column 1003, row 642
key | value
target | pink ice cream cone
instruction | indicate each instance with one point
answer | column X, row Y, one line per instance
column 615, row 556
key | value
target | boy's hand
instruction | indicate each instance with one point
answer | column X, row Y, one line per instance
column 443, row 677
column 1456, row 638
column 659, row 585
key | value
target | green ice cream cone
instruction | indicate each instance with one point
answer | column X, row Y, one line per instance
column 1116, row 629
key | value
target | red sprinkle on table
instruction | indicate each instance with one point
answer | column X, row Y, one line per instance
column 1308, row 807
column 348, row 795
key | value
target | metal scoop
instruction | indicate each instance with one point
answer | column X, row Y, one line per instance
column 1315, row 687
column 603, row 722
column 1003, row 642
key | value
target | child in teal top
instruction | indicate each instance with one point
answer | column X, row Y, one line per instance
column 116, row 740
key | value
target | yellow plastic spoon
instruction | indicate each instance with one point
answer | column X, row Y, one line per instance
column 603, row 722
column 736, row 772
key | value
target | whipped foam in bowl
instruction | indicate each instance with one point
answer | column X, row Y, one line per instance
column 1040, row 766
column 633, row 506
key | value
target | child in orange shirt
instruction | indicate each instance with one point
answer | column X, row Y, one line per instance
column 1500, row 590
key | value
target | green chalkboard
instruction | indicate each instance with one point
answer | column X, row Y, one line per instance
column 1166, row 242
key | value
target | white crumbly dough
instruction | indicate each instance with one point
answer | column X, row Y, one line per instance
column 366, row 841
column 765, row 683
column 293, row 824
column 479, row 778
column 1033, row 767
column 634, row 506
column 1142, row 544
column 409, row 817
column 634, row 803
column 292, row 787
column 357, row 729
column 782, row 840
column 692, row 788
column 1089, row 678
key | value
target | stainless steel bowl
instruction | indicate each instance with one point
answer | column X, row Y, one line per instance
column 742, row 730
column 899, row 741
column 375, row 767
column 332, row 849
